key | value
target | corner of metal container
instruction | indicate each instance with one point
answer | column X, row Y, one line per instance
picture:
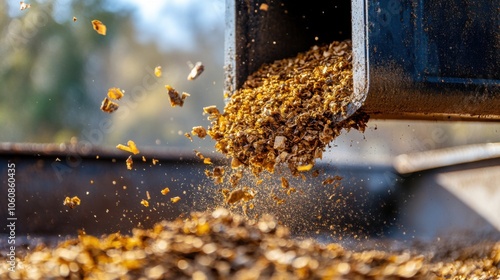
column 359, row 20
column 230, row 49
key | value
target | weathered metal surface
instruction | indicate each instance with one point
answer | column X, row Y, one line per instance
column 412, row 60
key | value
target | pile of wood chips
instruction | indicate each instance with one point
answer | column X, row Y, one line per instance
column 286, row 112
column 221, row 245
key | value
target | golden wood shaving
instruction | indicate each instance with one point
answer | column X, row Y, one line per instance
column 99, row 27
column 284, row 183
column 330, row 180
column 72, row 202
column 211, row 110
column 235, row 163
column 199, row 131
column 165, row 191
column 129, row 163
column 196, row 71
column 175, row 199
column 115, row 93
column 176, row 99
column 218, row 171
column 188, row 136
column 108, row 106
column 131, row 147
column 158, row 71
column 244, row 194
column 199, row 154
column 145, row 203
column 307, row 167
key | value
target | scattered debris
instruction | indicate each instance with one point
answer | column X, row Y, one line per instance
column 108, row 106
column 131, row 147
column 99, row 27
column 158, row 71
column 176, row 99
column 72, row 202
column 196, row 71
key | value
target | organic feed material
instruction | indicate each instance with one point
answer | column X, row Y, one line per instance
column 72, row 202
column 131, row 147
column 199, row 131
column 286, row 111
column 221, row 245
column 145, row 203
column 188, row 136
column 176, row 99
column 99, row 27
column 24, row 6
column 244, row 194
column 158, row 71
column 129, row 162
column 211, row 110
column 165, row 191
column 115, row 93
column 109, row 106
column 196, row 71
column 175, row 199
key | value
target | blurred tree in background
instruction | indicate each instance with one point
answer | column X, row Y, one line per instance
column 42, row 71
column 54, row 73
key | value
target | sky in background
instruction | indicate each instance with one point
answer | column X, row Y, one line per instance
column 171, row 23
column 174, row 23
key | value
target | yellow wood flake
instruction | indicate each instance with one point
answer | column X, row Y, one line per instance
column 307, row 167
column 115, row 93
column 158, row 71
column 108, row 106
column 99, row 27
column 131, row 147
column 165, row 191
column 129, row 163
column 72, row 202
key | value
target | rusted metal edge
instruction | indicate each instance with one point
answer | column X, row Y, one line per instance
column 85, row 151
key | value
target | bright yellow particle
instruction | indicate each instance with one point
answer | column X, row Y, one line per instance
column 158, row 71
column 306, row 167
column 165, row 191
column 115, row 93
column 99, row 27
